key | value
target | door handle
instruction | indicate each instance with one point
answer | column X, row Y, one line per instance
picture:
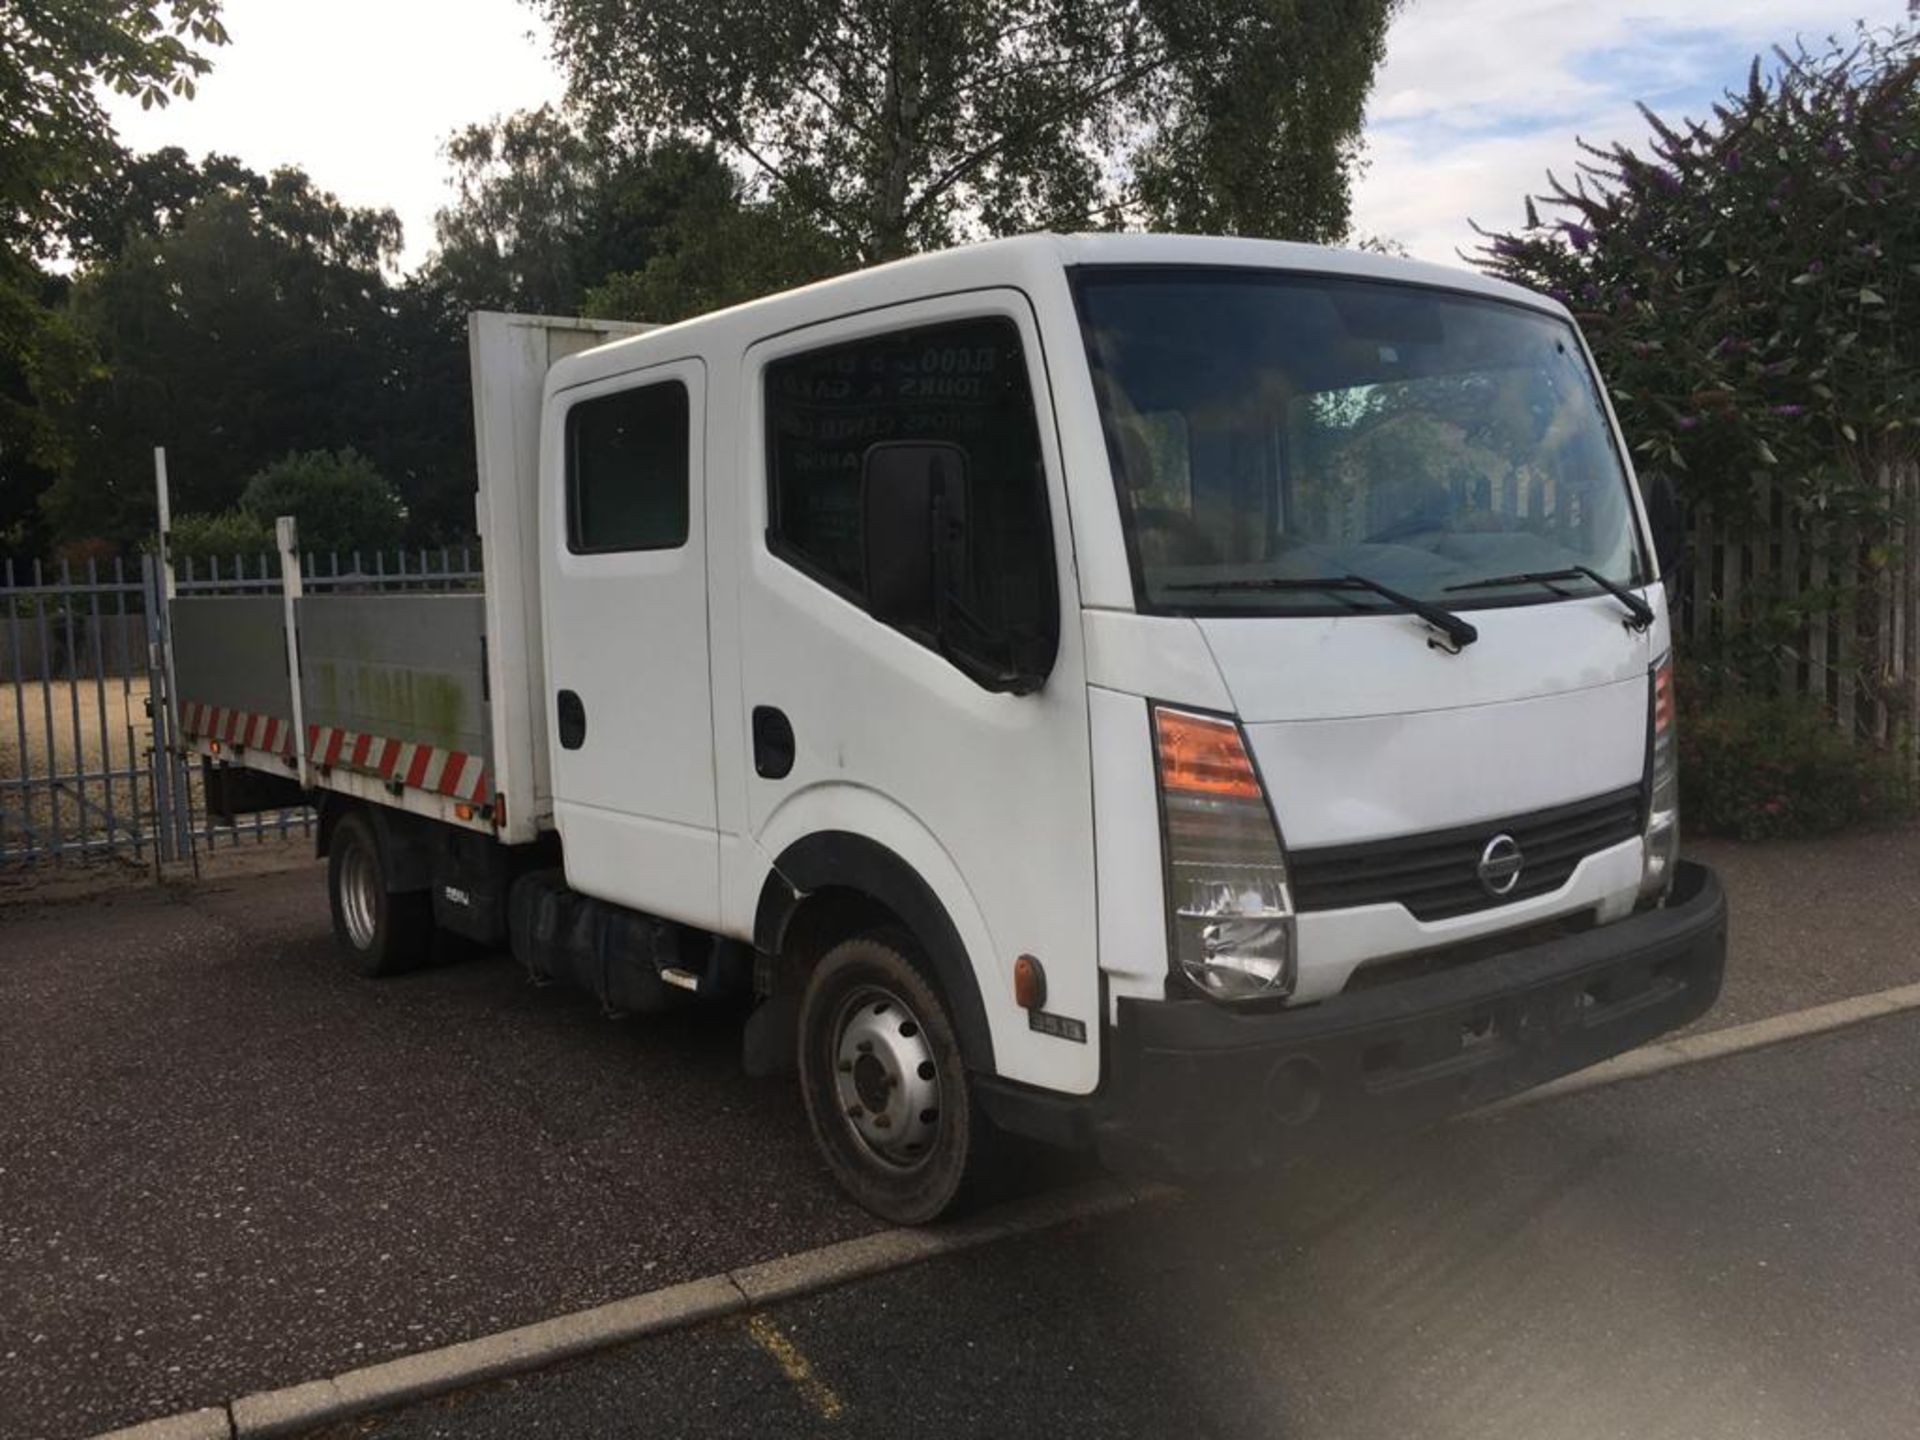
column 573, row 721
column 772, row 743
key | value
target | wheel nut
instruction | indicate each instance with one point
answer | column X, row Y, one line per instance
column 884, row 1122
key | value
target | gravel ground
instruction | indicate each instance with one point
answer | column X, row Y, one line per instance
column 225, row 1165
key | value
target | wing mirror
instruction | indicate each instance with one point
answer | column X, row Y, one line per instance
column 913, row 519
column 918, row 556
column 1666, row 524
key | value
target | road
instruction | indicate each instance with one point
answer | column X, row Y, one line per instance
column 227, row 1166
column 1730, row 1249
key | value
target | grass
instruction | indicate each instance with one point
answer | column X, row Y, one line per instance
column 80, row 775
column 98, row 786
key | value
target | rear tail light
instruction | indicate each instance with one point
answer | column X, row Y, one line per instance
column 1662, row 839
column 1230, row 914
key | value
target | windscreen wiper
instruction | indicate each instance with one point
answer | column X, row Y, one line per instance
column 1459, row 633
column 1641, row 612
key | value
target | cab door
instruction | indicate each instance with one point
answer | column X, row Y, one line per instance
column 882, row 730
column 629, row 703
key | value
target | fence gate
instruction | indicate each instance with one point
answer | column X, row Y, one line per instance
column 76, row 743
column 89, row 767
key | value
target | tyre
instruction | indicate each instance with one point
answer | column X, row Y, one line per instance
column 885, row 1086
column 379, row 933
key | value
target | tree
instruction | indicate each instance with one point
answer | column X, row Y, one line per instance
column 712, row 257
column 424, row 436
column 250, row 323
column 512, row 239
column 227, row 535
column 149, row 196
column 548, row 216
column 895, row 125
column 55, row 139
column 55, row 57
column 337, row 498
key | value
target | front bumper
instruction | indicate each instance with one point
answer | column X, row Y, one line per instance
column 1196, row 1087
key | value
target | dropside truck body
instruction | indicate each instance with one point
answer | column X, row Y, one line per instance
column 1196, row 699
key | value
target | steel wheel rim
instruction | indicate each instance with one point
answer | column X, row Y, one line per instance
column 886, row 1081
column 359, row 902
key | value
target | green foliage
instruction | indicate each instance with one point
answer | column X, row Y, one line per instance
column 550, row 218
column 896, row 125
column 513, row 237
column 150, row 195
column 712, row 257
column 56, row 57
column 338, row 499
column 1752, row 285
column 1753, row 768
column 220, row 536
column 245, row 321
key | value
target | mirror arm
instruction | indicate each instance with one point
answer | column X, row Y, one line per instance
column 938, row 521
column 992, row 677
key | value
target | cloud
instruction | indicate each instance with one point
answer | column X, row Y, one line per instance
column 1478, row 99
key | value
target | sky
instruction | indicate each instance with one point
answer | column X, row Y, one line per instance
column 1476, row 101
column 361, row 94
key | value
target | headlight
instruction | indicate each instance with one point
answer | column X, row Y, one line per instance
column 1662, row 838
column 1230, row 915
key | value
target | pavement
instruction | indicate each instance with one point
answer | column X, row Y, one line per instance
column 1815, row 920
column 226, row 1166
column 1723, row 1250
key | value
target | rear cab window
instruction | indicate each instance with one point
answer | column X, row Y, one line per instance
column 628, row 470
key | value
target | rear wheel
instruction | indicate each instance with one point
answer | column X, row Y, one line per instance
column 885, row 1086
column 379, row 932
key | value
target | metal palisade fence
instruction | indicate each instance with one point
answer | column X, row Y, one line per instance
column 89, row 765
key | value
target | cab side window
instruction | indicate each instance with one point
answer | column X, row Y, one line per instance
column 963, row 385
column 627, row 470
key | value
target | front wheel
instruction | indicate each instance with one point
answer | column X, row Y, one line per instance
column 379, row 932
column 885, row 1086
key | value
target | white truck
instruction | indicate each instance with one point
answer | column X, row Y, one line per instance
column 1190, row 698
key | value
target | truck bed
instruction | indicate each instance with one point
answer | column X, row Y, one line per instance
column 393, row 693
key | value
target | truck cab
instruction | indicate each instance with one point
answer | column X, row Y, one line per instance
column 1195, row 698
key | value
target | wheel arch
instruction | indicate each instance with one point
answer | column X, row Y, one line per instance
column 834, row 883
column 406, row 857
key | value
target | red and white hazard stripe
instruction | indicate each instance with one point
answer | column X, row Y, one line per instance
column 236, row 727
column 453, row 773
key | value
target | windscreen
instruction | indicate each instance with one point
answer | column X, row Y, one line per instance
column 1269, row 429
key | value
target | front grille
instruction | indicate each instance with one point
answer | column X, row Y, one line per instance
column 1436, row 875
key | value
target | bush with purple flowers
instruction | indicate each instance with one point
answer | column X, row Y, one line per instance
column 1752, row 285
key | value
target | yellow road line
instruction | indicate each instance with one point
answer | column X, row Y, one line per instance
column 815, row 1391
